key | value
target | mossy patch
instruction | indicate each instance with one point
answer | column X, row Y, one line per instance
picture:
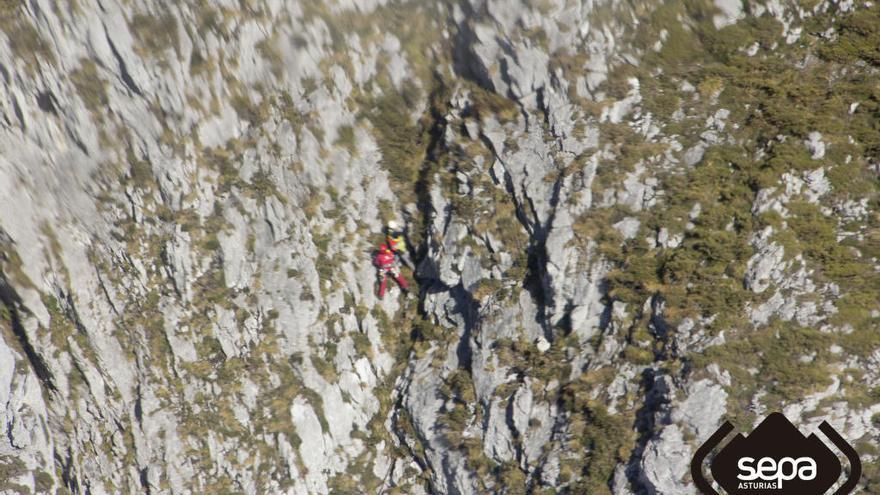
column 155, row 33
column 91, row 87
column 25, row 41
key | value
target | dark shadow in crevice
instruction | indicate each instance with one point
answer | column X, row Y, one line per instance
column 12, row 302
column 123, row 69
column 47, row 102
column 656, row 399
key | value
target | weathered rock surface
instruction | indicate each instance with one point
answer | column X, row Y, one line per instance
column 609, row 260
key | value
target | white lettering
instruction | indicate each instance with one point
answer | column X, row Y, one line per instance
column 745, row 465
column 780, row 471
column 768, row 469
column 809, row 467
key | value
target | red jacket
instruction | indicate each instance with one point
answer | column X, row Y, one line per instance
column 384, row 260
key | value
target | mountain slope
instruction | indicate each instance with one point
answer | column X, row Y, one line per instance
column 679, row 197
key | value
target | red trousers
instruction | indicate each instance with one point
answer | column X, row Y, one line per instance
column 383, row 284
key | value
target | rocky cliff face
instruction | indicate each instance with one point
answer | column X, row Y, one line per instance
column 679, row 197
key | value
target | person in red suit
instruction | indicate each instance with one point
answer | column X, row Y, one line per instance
column 386, row 263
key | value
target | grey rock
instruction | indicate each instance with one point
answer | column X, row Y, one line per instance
column 666, row 463
column 693, row 155
column 628, row 227
column 639, row 192
column 498, row 442
column 765, row 267
column 731, row 11
column 815, row 144
column 668, row 240
column 212, row 321
column 703, row 408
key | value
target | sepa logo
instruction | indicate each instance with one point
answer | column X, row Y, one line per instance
column 776, row 459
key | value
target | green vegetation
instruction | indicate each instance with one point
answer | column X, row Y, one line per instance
column 155, row 34
column 768, row 95
column 25, row 41
column 11, row 467
column 11, row 267
column 607, row 439
column 401, row 140
column 90, row 86
column 325, row 368
column 859, row 38
column 270, row 52
column 488, row 104
column 247, row 110
column 43, row 482
column 262, row 185
column 346, row 138
column 783, row 360
column 141, row 171
column 703, row 276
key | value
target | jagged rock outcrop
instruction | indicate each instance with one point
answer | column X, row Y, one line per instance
column 625, row 230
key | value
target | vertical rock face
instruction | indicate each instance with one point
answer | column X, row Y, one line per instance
column 628, row 223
